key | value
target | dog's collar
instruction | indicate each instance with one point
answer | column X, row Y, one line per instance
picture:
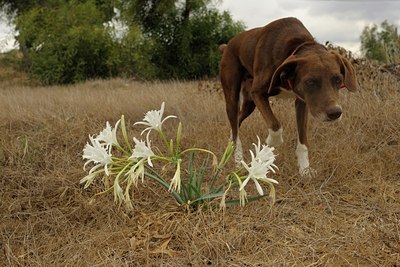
column 298, row 96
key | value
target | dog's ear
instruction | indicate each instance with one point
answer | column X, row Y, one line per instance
column 348, row 72
column 286, row 71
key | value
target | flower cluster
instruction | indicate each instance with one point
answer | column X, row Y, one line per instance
column 127, row 164
column 262, row 162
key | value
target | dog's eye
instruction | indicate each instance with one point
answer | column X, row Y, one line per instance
column 311, row 83
column 337, row 81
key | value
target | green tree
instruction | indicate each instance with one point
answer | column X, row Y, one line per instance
column 186, row 35
column 68, row 43
column 65, row 41
column 16, row 8
column 382, row 44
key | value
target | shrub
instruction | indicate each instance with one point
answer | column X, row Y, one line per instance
column 67, row 44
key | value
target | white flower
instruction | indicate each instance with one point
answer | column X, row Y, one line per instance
column 97, row 154
column 118, row 192
column 136, row 171
column 153, row 119
column 264, row 154
column 176, row 180
column 108, row 136
column 142, row 150
column 261, row 163
column 242, row 197
column 222, row 204
column 88, row 179
column 257, row 171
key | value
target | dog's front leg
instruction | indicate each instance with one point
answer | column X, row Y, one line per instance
column 274, row 127
column 302, row 142
column 274, row 138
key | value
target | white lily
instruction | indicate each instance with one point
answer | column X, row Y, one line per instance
column 142, row 151
column 264, row 154
column 257, row 171
column 153, row 119
column 222, row 204
column 109, row 135
column 136, row 171
column 176, row 180
column 118, row 192
column 261, row 163
column 98, row 154
column 88, row 179
column 242, row 197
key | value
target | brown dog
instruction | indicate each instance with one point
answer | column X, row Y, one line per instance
column 279, row 59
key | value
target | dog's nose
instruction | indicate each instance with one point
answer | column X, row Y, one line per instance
column 334, row 113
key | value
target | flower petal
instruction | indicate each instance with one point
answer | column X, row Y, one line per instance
column 176, row 180
column 88, row 179
column 272, row 180
column 244, row 183
column 118, row 192
column 259, row 188
column 168, row 117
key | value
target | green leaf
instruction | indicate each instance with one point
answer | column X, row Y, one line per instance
column 161, row 181
column 227, row 155
column 195, row 191
column 178, row 138
column 209, row 197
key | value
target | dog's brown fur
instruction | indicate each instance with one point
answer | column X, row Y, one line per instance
column 282, row 56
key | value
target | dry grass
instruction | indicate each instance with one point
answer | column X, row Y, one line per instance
column 349, row 214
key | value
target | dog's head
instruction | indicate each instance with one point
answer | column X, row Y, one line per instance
column 317, row 78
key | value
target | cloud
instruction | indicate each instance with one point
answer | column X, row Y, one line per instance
column 375, row 11
column 340, row 22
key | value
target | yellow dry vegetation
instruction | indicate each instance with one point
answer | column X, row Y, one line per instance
column 349, row 214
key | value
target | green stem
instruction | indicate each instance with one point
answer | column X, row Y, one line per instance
column 178, row 138
column 200, row 150
column 215, row 160
column 122, row 150
column 238, row 178
column 164, row 138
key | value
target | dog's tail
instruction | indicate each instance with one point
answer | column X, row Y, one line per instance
column 221, row 48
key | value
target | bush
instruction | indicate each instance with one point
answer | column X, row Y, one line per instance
column 381, row 43
column 72, row 41
column 67, row 44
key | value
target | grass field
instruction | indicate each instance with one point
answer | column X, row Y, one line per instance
column 348, row 215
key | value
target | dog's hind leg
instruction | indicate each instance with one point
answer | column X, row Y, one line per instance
column 232, row 110
column 248, row 105
column 231, row 80
column 247, row 108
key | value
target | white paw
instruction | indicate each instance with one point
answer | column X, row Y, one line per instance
column 304, row 164
column 275, row 139
column 238, row 154
column 308, row 172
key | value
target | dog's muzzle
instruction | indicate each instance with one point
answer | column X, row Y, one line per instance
column 334, row 113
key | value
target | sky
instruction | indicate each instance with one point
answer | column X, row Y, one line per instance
column 6, row 35
column 340, row 22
